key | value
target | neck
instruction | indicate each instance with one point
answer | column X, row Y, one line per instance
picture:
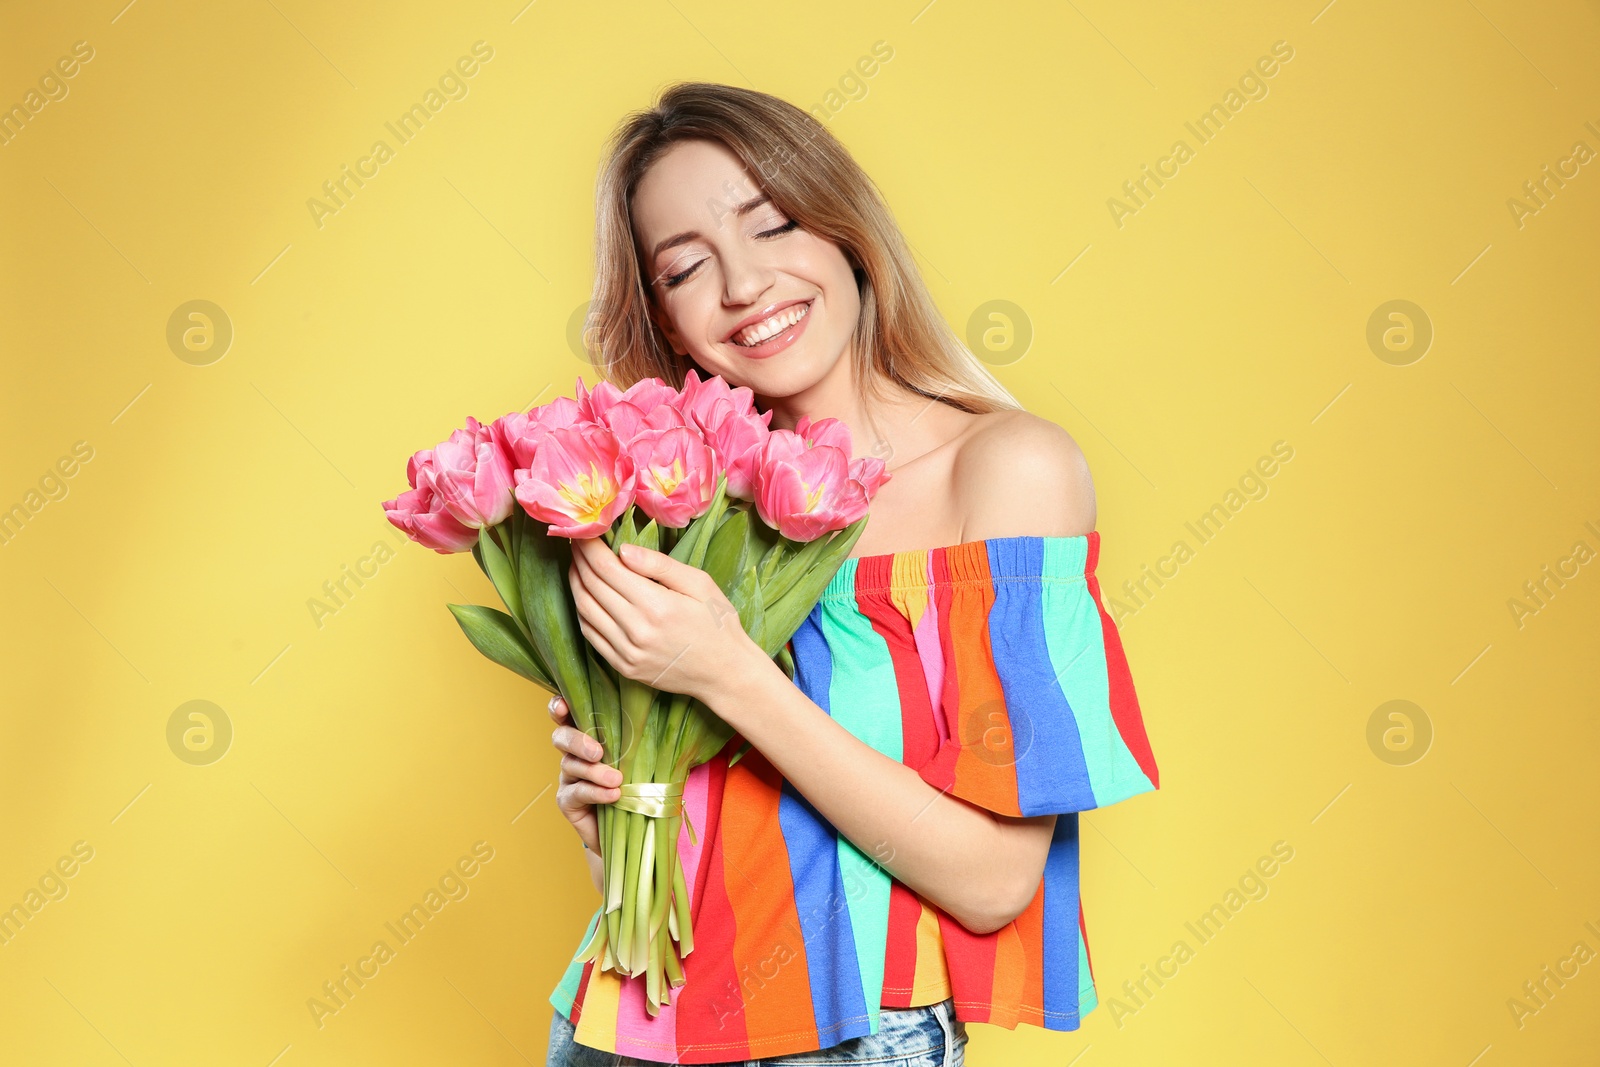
column 896, row 429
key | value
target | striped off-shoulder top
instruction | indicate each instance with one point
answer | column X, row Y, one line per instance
column 993, row 669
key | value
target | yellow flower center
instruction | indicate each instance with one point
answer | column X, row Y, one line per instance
column 667, row 480
column 812, row 495
column 590, row 496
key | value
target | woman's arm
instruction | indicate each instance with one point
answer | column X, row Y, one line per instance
column 982, row 868
column 664, row 623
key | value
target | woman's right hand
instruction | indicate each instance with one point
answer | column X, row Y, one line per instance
column 585, row 780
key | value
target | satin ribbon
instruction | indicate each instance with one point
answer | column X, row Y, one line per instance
column 659, row 800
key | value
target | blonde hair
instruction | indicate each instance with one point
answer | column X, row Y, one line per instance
column 899, row 336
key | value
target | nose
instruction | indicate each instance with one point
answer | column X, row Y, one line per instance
column 745, row 277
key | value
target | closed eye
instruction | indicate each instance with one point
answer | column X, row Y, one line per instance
column 682, row 276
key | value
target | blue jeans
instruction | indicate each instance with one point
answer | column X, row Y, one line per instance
column 928, row 1036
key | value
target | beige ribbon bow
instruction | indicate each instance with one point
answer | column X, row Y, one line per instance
column 660, row 800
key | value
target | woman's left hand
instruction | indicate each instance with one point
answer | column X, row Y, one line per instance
column 654, row 619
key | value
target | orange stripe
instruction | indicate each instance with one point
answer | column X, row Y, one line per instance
column 1010, row 963
column 1030, row 931
column 769, row 963
column 985, row 769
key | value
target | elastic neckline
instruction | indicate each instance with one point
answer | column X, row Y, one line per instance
column 1018, row 557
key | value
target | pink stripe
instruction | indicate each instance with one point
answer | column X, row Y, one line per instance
column 634, row 1025
column 926, row 634
column 695, row 805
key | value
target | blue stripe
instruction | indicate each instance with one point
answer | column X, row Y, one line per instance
column 1061, row 935
column 1050, row 770
column 812, row 843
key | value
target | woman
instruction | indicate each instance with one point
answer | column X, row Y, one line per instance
column 887, row 862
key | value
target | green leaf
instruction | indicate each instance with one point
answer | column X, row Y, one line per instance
column 785, row 612
column 552, row 617
column 495, row 634
column 500, row 572
column 726, row 557
column 691, row 547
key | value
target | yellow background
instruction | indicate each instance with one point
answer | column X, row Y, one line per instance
column 1230, row 312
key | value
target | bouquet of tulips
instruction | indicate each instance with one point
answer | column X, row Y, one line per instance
column 677, row 471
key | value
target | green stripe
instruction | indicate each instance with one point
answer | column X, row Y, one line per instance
column 1078, row 655
column 567, row 992
column 864, row 698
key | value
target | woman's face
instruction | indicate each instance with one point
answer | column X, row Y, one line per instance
column 721, row 260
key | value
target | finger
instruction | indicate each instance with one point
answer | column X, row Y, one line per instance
column 596, row 617
column 663, row 569
column 581, row 791
column 601, row 774
column 621, row 604
column 575, row 742
column 576, row 796
column 631, row 586
column 558, row 708
column 607, row 650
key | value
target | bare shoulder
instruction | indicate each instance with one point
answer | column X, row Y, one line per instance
column 1021, row 475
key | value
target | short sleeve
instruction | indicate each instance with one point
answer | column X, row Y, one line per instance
column 1038, row 700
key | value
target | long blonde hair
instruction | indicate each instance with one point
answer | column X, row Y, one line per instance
column 900, row 335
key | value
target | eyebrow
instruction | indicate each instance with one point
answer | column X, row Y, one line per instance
column 688, row 235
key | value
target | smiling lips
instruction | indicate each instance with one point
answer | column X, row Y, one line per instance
column 753, row 335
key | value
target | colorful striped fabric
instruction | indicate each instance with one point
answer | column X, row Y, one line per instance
column 993, row 669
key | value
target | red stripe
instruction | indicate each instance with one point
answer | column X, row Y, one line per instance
column 918, row 742
column 900, row 962
column 971, row 959
column 1083, row 932
column 1124, row 702
column 583, row 986
column 710, row 1004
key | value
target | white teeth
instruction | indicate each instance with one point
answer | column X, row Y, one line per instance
column 762, row 331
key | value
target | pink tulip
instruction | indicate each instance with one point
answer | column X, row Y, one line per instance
column 824, row 432
column 472, row 475
column 731, row 425
column 645, row 395
column 871, row 472
column 700, row 399
column 580, row 479
column 677, row 473
column 420, row 512
column 518, row 433
column 738, row 442
column 805, row 492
